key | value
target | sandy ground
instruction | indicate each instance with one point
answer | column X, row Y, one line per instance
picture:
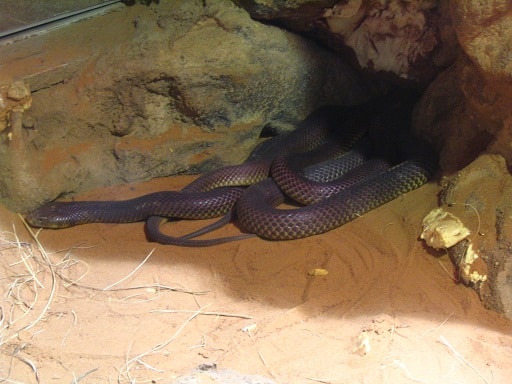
column 120, row 309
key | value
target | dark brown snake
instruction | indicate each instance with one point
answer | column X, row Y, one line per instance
column 289, row 160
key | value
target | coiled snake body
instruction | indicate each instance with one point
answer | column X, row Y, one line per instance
column 327, row 132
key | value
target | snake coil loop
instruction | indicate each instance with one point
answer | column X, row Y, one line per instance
column 301, row 163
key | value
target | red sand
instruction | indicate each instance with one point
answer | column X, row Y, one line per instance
column 383, row 286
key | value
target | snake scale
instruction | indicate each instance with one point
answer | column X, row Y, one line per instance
column 300, row 163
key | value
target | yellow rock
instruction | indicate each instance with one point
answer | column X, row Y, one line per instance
column 318, row 272
column 441, row 229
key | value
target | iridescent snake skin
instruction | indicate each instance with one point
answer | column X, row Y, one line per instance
column 404, row 163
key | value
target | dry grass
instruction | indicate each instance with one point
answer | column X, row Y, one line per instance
column 30, row 285
column 30, row 279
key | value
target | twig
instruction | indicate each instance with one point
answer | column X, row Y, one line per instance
column 68, row 263
column 24, row 260
column 31, row 364
column 476, row 212
column 148, row 366
column 75, row 321
column 206, row 313
column 49, row 264
column 160, row 346
column 447, row 272
column 269, row 370
column 439, row 326
column 157, row 287
column 131, row 273
column 457, row 354
column 83, row 375
column 324, row 381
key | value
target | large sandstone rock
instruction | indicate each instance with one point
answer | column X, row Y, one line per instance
column 484, row 29
column 402, row 40
column 155, row 91
column 480, row 196
column 466, row 112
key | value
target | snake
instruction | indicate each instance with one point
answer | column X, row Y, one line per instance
column 249, row 190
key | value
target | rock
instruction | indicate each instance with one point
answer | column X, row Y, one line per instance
column 209, row 374
column 466, row 114
column 484, row 29
column 443, row 230
column 299, row 14
column 154, row 91
column 410, row 40
column 14, row 97
column 393, row 36
column 480, row 196
column 466, row 110
column 448, row 120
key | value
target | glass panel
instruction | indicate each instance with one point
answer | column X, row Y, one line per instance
column 20, row 15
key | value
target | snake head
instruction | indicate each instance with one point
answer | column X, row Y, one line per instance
column 50, row 215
